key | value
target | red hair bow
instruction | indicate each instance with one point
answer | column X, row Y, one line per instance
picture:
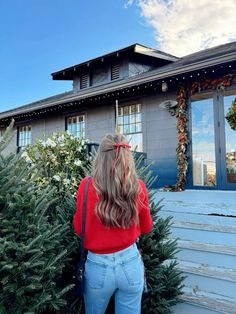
column 117, row 152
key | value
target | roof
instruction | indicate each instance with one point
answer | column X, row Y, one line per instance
column 220, row 55
column 137, row 49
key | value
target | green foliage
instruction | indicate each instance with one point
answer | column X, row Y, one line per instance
column 38, row 244
column 164, row 280
column 231, row 115
column 60, row 160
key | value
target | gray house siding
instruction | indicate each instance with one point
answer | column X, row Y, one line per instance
column 158, row 128
column 98, row 122
column 136, row 68
column 45, row 127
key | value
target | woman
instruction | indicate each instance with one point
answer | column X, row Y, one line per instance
column 117, row 212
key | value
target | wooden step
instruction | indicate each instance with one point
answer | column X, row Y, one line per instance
column 208, row 271
column 204, row 233
column 210, row 279
column 205, row 226
column 207, row 254
column 179, row 216
column 212, row 301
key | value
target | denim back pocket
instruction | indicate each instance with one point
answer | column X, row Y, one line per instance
column 95, row 274
column 133, row 270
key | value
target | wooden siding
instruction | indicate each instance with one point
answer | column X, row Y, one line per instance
column 159, row 132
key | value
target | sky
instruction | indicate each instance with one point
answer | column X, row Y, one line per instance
column 39, row 37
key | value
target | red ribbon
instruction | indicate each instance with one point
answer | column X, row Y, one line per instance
column 116, row 156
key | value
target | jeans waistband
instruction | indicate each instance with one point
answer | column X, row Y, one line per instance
column 118, row 256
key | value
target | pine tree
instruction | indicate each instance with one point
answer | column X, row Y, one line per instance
column 33, row 249
column 164, row 280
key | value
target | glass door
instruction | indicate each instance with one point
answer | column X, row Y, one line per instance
column 228, row 146
column 203, row 143
column 213, row 142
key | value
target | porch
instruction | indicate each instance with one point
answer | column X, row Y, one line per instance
column 205, row 224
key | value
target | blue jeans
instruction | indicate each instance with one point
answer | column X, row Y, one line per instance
column 120, row 273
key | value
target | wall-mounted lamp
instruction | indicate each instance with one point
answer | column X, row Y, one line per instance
column 170, row 105
column 164, row 87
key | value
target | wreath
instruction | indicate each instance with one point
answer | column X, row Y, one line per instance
column 231, row 115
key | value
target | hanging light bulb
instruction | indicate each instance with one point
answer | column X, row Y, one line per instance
column 164, row 87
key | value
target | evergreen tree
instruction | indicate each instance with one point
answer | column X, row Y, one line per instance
column 38, row 244
column 33, row 249
column 164, row 280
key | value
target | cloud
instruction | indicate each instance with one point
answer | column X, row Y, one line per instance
column 182, row 27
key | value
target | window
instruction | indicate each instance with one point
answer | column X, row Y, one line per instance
column 84, row 80
column 129, row 123
column 115, row 72
column 24, row 136
column 76, row 126
column 203, row 142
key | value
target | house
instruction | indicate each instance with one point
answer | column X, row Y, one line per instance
column 172, row 109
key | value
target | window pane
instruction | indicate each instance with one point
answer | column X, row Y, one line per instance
column 132, row 128
column 126, row 128
column 24, row 136
column 126, row 119
column 230, row 141
column 129, row 122
column 125, row 110
column 203, row 143
column 76, row 126
column 138, row 117
column 132, row 118
column 138, row 127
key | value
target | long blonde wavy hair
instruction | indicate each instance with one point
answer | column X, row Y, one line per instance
column 116, row 183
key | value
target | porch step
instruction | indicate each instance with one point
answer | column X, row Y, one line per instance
column 199, row 201
column 208, row 247
column 227, row 274
column 207, row 254
column 182, row 216
column 204, row 301
column 204, row 233
column 188, row 308
column 204, row 226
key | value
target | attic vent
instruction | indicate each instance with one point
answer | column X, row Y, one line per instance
column 84, row 81
column 115, row 71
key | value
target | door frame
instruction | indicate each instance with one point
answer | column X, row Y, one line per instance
column 220, row 141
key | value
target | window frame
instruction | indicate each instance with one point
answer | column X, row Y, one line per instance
column 138, row 125
column 26, row 141
column 76, row 115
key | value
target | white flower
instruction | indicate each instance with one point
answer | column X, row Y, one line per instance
column 51, row 143
column 61, row 138
column 43, row 143
column 78, row 162
column 57, row 177
column 66, row 181
column 26, row 156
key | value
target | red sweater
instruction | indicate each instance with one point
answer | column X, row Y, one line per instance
column 100, row 239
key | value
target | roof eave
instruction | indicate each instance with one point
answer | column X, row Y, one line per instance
column 147, row 77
